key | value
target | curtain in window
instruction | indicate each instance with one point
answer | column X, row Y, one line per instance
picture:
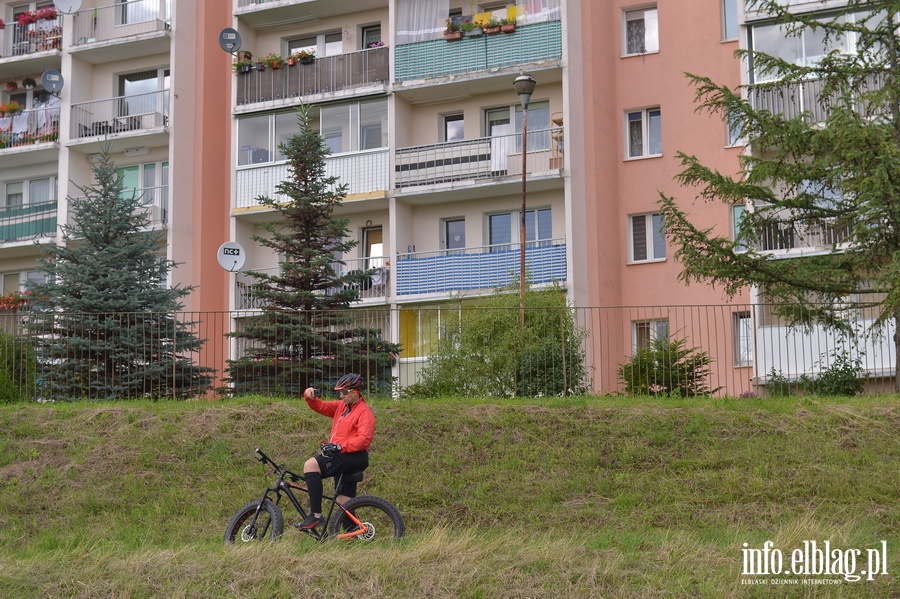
column 538, row 11
column 420, row 20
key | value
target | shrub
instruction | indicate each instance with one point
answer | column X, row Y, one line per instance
column 842, row 376
column 667, row 368
column 17, row 368
column 778, row 384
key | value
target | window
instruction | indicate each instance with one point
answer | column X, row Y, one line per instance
column 737, row 217
column 648, row 238
column 644, row 133
column 369, row 35
column 149, row 182
column 538, row 228
column 644, row 332
column 373, row 246
column 454, row 233
column 743, row 339
column 734, row 130
column 137, row 11
column 32, row 191
column 641, row 31
column 140, row 93
column 497, row 121
column 452, row 125
column 324, row 44
column 729, row 19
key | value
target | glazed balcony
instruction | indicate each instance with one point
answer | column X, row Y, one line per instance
column 324, row 75
column 123, row 115
column 480, row 268
column 474, row 159
column 27, row 222
column 528, row 44
column 363, row 172
column 142, row 25
column 376, row 287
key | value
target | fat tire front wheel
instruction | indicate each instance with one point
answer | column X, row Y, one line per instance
column 381, row 519
column 269, row 523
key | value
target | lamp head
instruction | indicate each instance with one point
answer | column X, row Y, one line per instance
column 524, row 85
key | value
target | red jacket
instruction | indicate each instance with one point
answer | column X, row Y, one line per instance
column 353, row 432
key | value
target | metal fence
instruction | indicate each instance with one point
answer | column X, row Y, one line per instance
column 748, row 351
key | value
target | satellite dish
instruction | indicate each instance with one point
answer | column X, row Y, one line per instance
column 67, row 6
column 230, row 40
column 52, row 81
column 231, row 256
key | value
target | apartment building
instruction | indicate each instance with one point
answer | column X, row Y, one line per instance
column 124, row 83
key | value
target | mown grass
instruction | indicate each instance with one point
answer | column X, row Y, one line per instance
column 584, row 497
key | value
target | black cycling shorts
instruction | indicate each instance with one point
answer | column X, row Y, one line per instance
column 334, row 465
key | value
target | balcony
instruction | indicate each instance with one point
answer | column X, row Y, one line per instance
column 27, row 222
column 476, row 159
column 323, row 76
column 364, row 172
column 29, row 128
column 480, row 268
column 154, row 202
column 538, row 42
column 792, row 99
column 31, row 48
column 135, row 27
column 262, row 14
column 802, row 236
column 376, row 287
column 139, row 114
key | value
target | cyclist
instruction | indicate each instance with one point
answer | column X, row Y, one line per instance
column 352, row 429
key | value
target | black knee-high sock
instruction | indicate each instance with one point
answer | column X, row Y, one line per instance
column 314, row 484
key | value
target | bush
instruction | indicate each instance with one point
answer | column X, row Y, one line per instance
column 667, row 368
column 778, row 385
column 17, row 368
column 842, row 376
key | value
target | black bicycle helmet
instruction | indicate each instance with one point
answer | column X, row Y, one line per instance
column 349, row 381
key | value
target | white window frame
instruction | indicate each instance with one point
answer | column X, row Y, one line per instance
column 645, row 116
column 650, row 15
column 656, row 328
column 322, row 45
column 654, row 245
column 730, row 20
column 533, row 237
column 26, row 190
column 743, row 339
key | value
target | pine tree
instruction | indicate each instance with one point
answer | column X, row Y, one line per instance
column 838, row 177
column 106, row 328
column 306, row 333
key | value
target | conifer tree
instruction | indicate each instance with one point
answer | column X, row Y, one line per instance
column 105, row 325
column 306, row 334
column 830, row 173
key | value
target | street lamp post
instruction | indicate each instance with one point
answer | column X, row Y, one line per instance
column 524, row 85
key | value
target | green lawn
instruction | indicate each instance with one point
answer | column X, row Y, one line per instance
column 584, row 497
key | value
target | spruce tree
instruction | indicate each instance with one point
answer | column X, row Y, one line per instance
column 306, row 334
column 835, row 175
column 105, row 326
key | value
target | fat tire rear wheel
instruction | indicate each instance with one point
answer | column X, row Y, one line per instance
column 270, row 523
column 381, row 518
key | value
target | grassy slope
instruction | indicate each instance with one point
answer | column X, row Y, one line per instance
column 575, row 498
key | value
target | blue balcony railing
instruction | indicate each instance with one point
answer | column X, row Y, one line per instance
column 480, row 268
column 537, row 42
column 26, row 222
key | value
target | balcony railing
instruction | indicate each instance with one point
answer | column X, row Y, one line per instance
column 29, row 127
column 154, row 202
column 795, row 236
column 20, row 40
column 792, row 99
column 482, row 158
column 323, row 75
column 486, row 267
column 28, row 221
column 363, row 172
column 119, row 20
column 375, row 287
column 538, row 42
column 122, row 114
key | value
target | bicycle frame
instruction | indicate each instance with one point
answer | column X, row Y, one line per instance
column 283, row 487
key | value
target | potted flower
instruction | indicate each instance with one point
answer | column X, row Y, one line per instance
column 305, row 56
column 244, row 62
column 12, row 107
column 273, row 61
column 11, row 86
column 492, row 26
column 453, row 31
column 376, row 44
column 28, row 83
column 260, row 65
column 2, row 24
column 472, row 28
column 507, row 25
